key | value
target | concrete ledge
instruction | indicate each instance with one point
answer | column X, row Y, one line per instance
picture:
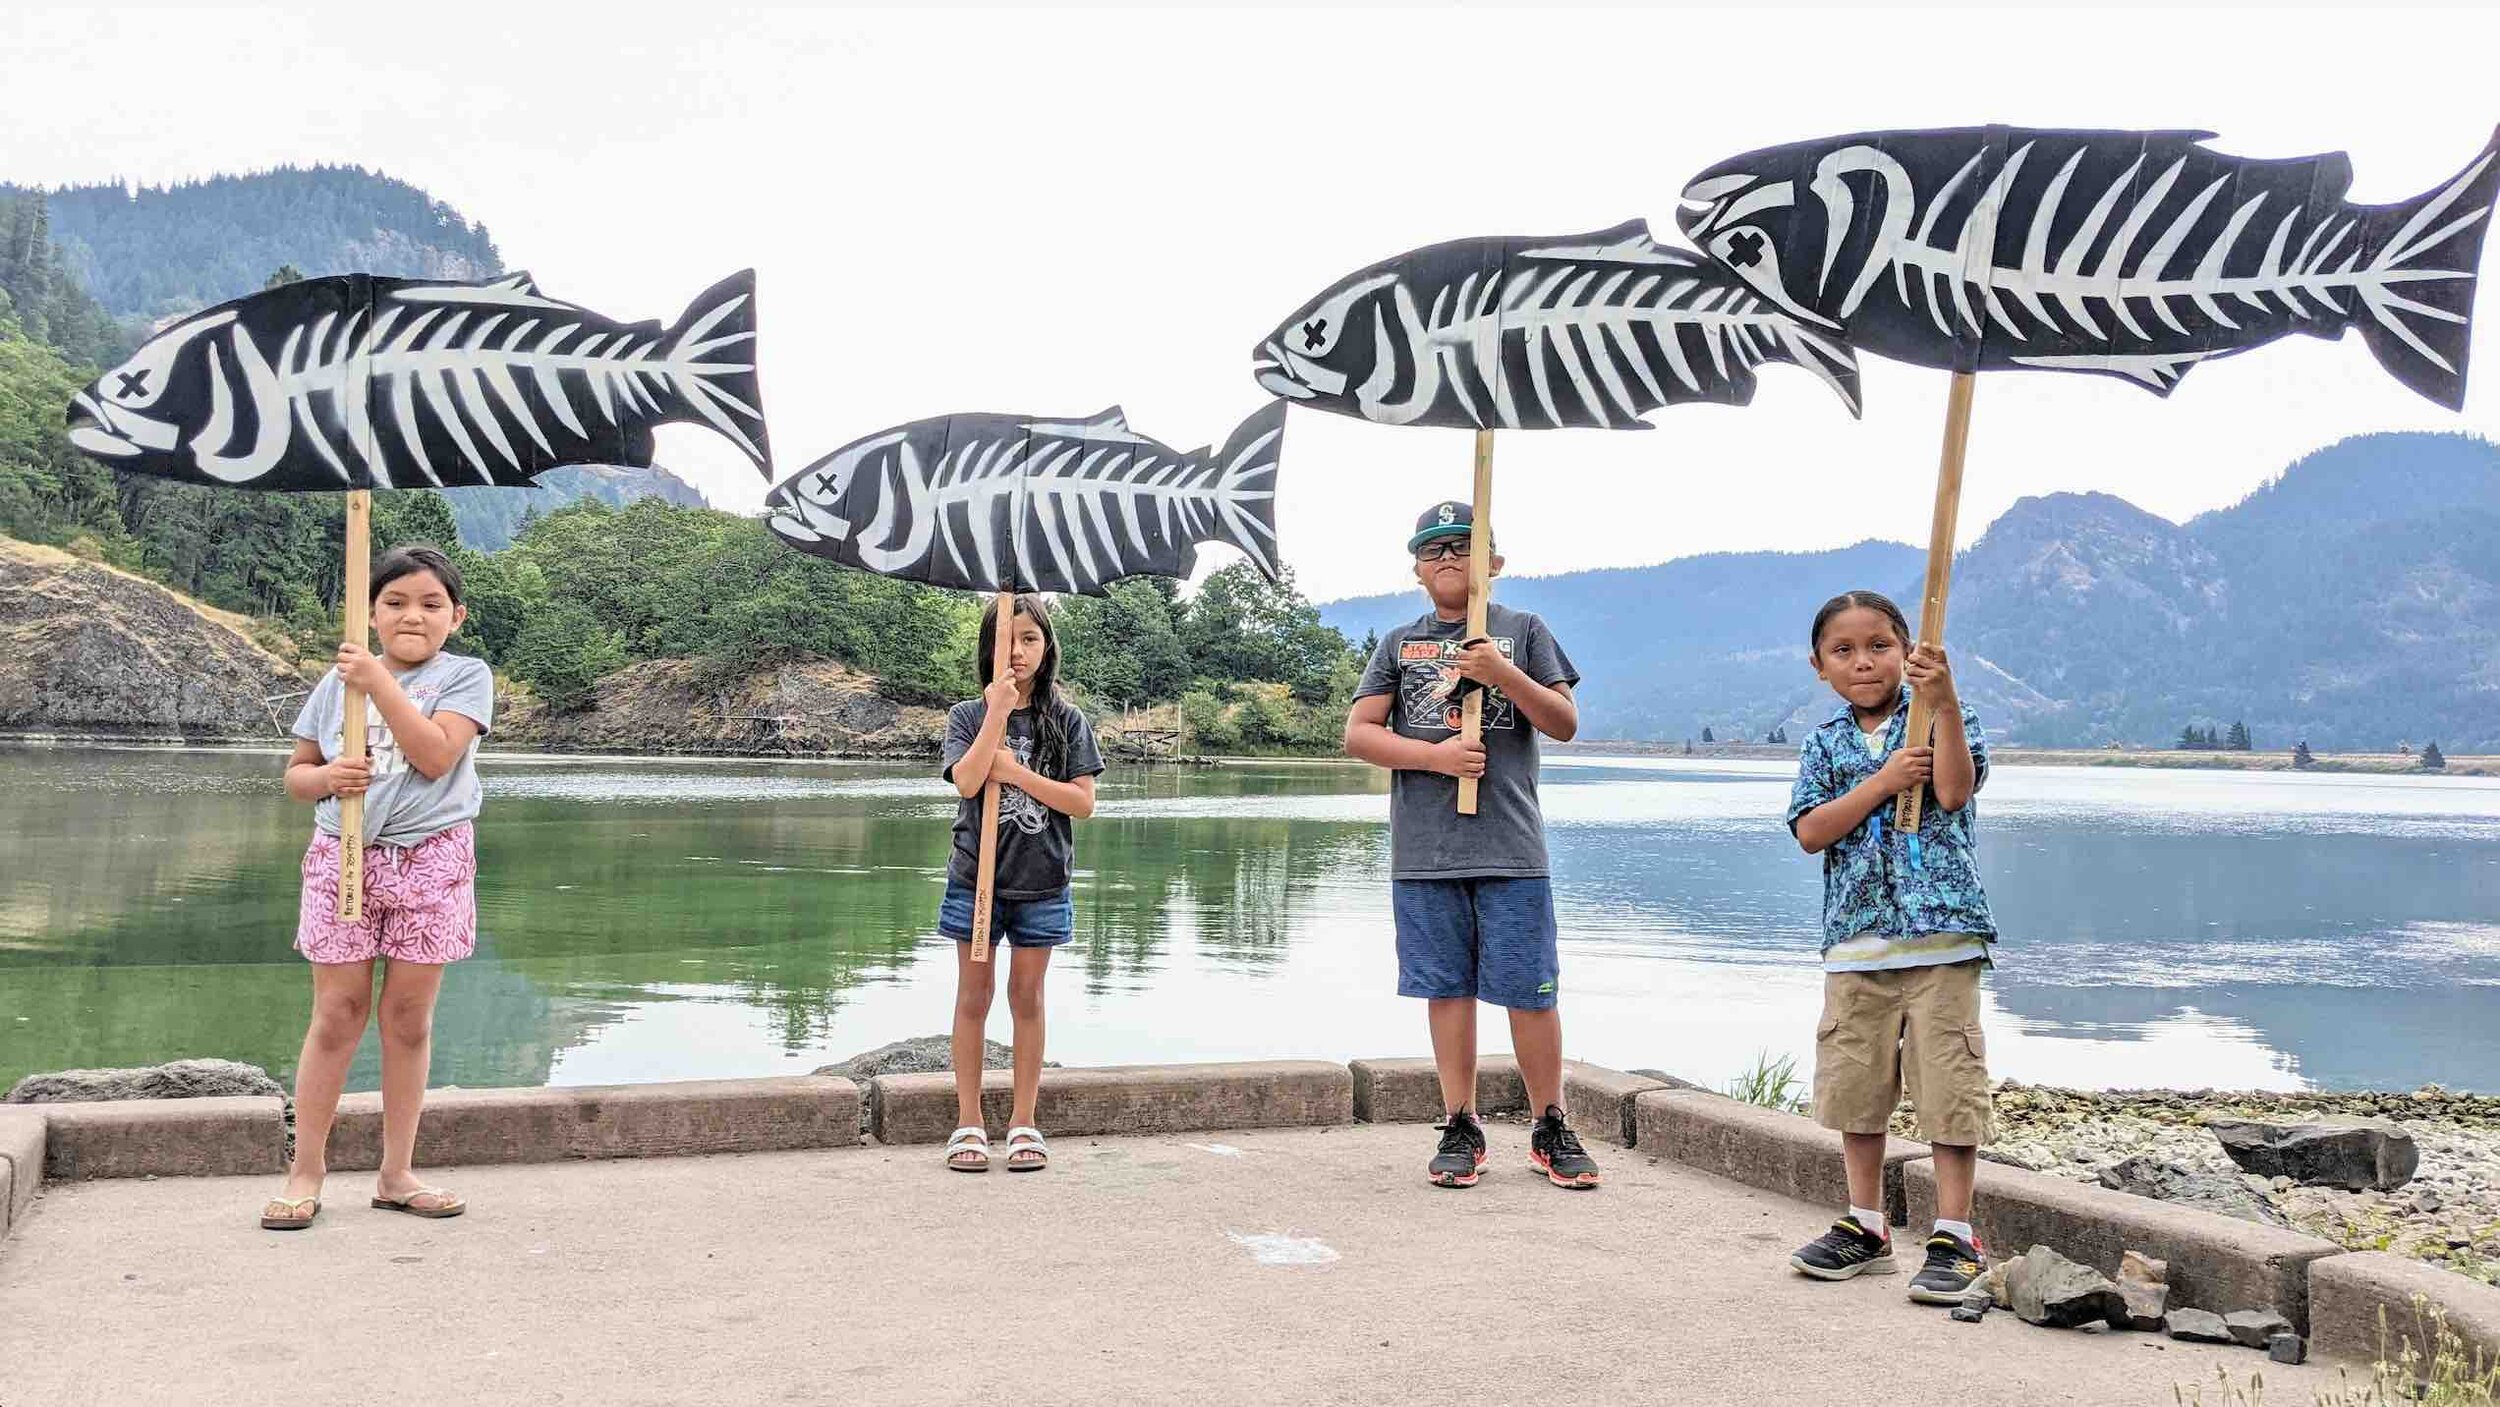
column 165, row 1137
column 1127, row 1099
column 556, row 1124
column 1601, row 1100
column 2216, row 1262
column 2347, row 1292
column 1764, row 1148
column 21, row 1162
column 1408, row 1091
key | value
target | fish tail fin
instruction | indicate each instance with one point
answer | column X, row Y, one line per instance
column 1244, row 486
column 711, row 353
column 2419, row 328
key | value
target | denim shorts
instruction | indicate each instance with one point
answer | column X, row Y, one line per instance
column 1027, row 923
column 1492, row 939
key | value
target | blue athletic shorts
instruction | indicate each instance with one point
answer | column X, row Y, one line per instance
column 1492, row 939
column 1030, row 923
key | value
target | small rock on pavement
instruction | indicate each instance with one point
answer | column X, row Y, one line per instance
column 2142, row 1269
column 2256, row 1327
column 1969, row 1313
column 2050, row 1290
column 2197, row 1326
column 2288, row 1348
column 2347, row 1153
column 180, row 1079
column 2145, row 1303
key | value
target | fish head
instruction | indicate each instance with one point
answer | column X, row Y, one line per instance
column 1326, row 352
column 807, row 507
column 135, row 415
column 1744, row 214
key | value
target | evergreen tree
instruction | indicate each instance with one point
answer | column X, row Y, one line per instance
column 1705, row 734
column 2432, row 759
column 2300, row 755
column 2238, row 740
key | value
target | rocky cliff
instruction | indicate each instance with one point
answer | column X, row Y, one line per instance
column 816, row 708
column 90, row 651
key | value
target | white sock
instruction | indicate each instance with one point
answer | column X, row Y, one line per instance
column 1957, row 1228
column 1872, row 1222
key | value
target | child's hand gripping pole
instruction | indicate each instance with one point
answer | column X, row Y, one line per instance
column 356, row 608
column 986, row 874
column 1479, row 597
column 1922, row 726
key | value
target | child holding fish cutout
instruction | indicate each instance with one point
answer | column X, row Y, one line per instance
column 1906, row 935
column 1040, row 749
column 426, row 709
column 1473, row 904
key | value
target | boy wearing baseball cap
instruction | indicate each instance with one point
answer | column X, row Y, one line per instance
column 1474, row 909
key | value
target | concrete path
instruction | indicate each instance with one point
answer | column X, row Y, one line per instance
column 1300, row 1266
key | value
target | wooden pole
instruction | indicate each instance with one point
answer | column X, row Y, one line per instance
column 1002, row 641
column 1939, row 576
column 356, row 607
column 1479, row 598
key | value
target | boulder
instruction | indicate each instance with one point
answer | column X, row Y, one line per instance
column 2256, row 1327
column 2351, row 1153
column 2197, row 1326
column 917, row 1056
column 180, row 1079
column 2288, row 1348
column 2142, row 1269
column 2148, row 1176
column 2143, row 1282
column 2050, row 1290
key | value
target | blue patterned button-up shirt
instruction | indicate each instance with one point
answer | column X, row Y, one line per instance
column 1872, row 880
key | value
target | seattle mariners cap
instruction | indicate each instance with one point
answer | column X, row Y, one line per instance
column 1448, row 518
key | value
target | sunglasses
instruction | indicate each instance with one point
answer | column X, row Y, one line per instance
column 1442, row 548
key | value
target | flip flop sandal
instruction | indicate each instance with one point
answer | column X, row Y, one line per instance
column 969, row 1150
column 452, row 1206
column 295, row 1218
column 1025, row 1150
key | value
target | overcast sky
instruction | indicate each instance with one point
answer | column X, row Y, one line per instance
column 1052, row 211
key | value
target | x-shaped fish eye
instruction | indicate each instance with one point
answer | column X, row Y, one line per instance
column 1744, row 249
column 1314, row 333
column 135, row 383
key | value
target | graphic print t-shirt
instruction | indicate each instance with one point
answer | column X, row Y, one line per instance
column 1035, row 843
column 1428, row 839
column 403, row 807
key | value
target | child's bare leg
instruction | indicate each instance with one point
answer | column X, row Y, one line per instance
column 1863, row 1155
column 1454, row 1050
column 1536, row 1043
column 342, row 1000
column 1957, row 1166
column 1024, row 1003
column 407, row 1022
column 974, row 983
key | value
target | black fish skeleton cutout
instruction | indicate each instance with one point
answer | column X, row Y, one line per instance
column 354, row 381
column 1592, row 330
column 1024, row 503
column 2131, row 254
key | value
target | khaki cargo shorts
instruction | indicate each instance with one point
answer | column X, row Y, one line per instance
column 1916, row 1025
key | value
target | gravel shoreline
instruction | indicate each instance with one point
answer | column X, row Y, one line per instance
column 2448, row 1215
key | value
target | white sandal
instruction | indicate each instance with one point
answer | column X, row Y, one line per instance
column 1024, row 1140
column 969, row 1141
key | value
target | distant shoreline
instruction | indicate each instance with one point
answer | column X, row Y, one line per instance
column 2356, row 763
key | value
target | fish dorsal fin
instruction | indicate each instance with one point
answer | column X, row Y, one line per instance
column 511, row 291
column 1627, row 243
column 1109, row 423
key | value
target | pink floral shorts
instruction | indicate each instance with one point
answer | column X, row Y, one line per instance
column 420, row 901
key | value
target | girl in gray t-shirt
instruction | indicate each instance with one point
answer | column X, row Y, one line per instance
column 424, row 711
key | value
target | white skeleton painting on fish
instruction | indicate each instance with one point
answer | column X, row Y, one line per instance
column 354, row 381
column 1027, row 503
column 2129, row 254
column 1593, row 330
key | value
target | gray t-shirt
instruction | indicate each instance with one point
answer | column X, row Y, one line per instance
column 402, row 806
column 1428, row 839
column 1036, row 845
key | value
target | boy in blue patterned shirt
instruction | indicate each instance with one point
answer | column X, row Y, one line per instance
column 1906, row 931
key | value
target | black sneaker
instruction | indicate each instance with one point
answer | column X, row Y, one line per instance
column 1555, row 1151
column 1845, row 1252
column 1461, row 1156
column 1952, row 1264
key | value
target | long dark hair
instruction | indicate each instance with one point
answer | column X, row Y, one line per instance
column 1856, row 600
column 1050, row 725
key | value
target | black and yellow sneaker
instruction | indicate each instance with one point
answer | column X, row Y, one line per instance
column 1554, row 1150
column 1845, row 1252
column 1461, row 1156
column 1952, row 1265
